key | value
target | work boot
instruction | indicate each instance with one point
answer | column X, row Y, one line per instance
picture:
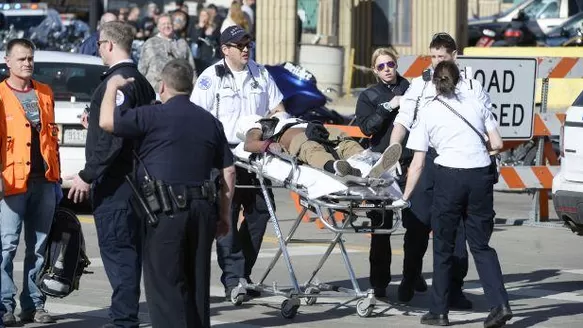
column 39, row 315
column 389, row 158
column 9, row 319
column 498, row 316
column 343, row 168
column 433, row 319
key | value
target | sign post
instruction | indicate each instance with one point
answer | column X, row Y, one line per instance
column 511, row 84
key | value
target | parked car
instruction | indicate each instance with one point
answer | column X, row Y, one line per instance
column 566, row 34
column 546, row 13
column 568, row 183
column 73, row 78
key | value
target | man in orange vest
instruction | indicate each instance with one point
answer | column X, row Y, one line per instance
column 31, row 174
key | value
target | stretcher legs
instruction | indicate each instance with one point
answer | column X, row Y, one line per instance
column 313, row 289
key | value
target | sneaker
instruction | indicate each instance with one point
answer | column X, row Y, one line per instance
column 39, row 316
column 343, row 168
column 389, row 158
column 9, row 319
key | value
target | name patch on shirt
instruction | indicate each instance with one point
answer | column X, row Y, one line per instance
column 205, row 83
column 119, row 98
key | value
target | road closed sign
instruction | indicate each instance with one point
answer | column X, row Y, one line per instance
column 511, row 83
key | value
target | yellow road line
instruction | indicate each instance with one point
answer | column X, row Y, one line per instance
column 268, row 239
column 274, row 240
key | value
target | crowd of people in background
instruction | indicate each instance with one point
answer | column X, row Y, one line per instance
column 194, row 37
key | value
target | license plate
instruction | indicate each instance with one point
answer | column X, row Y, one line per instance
column 74, row 136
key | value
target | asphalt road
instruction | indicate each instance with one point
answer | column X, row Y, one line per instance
column 543, row 271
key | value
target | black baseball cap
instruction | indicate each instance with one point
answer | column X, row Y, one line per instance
column 234, row 34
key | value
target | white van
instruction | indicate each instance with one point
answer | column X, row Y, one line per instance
column 568, row 183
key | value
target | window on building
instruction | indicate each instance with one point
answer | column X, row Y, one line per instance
column 391, row 21
column 308, row 14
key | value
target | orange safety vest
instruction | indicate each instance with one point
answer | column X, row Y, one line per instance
column 16, row 148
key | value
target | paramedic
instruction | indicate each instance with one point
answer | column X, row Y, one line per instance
column 31, row 172
column 179, row 145
column 376, row 109
column 442, row 48
column 456, row 125
column 230, row 89
column 108, row 160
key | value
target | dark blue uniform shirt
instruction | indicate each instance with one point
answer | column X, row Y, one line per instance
column 180, row 143
column 108, row 157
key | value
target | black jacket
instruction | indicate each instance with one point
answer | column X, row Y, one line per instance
column 108, row 156
column 373, row 118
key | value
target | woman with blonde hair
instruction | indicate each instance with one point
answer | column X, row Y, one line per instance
column 376, row 109
column 236, row 16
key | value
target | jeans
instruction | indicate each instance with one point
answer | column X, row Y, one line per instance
column 35, row 208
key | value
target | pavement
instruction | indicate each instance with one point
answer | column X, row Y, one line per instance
column 345, row 105
column 543, row 271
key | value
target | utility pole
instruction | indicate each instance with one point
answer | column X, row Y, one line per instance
column 96, row 10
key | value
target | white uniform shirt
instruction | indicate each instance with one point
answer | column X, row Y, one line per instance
column 457, row 145
column 236, row 95
column 424, row 92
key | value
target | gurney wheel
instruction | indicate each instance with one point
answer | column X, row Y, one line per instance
column 288, row 311
column 364, row 309
column 236, row 297
column 311, row 300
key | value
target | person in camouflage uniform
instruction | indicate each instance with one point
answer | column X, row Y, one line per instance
column 158, row 50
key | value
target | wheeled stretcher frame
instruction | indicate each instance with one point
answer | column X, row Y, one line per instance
column 350, row 206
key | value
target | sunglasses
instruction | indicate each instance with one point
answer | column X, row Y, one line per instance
column 242, row 46
column 100, row 42
column 389, row 64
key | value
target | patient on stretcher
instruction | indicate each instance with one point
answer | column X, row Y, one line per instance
column 318, row 146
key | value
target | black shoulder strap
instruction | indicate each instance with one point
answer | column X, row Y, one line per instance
column 466, row 121
column 284, row 128
column 418, row 101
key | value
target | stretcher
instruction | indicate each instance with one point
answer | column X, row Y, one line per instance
column 323, row 194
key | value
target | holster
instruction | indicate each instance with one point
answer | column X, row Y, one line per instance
column 179, row 196
column 210, row 191
column 155, row 193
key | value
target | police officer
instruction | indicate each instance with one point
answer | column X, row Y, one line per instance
column 230, row 89
column 180, row 144
column 376, row 109
column 464, row 182
column 421, row 91
column 108, row 160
